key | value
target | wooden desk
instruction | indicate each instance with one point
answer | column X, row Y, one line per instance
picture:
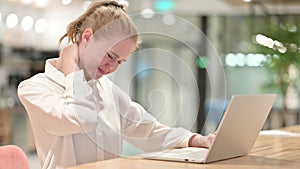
column 269, row 152
column 5, row 127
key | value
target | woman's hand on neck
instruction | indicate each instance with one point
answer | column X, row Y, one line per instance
column 68, row 59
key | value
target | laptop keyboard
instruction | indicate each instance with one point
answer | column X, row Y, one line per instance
column 190, row 152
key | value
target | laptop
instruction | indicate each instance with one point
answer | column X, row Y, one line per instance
column 236, row 133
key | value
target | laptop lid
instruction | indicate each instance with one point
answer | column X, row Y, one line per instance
column 240, row 126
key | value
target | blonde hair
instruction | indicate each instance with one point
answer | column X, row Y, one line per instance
column 98, row 15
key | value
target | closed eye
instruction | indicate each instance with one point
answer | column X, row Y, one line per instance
column 115, row 57
column 109, row 56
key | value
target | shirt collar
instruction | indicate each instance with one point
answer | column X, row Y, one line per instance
column 57, row 76
column 53, row 73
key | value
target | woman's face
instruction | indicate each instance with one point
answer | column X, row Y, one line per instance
column 100, row 57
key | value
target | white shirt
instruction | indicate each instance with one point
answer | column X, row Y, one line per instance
column 75, row 121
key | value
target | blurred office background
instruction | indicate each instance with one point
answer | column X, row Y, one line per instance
column 195, row 56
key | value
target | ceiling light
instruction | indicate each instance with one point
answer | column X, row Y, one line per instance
column 66, row 2
column 27, row 23
column 41, row 25
column 169, row 19
column 12, row 20
column 147, row 13
column 230, row 60
column 41, row 3
column 240, row 59
column 247, row 0
column 27, row 1
column 124, row 2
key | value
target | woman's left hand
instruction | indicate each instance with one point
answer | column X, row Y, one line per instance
column 201, row 141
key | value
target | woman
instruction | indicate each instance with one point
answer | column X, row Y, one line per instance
column 77, row 114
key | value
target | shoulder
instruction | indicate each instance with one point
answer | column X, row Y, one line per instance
column 36, row 79
column 33, row 83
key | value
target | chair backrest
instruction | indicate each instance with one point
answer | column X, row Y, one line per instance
column 13, row 157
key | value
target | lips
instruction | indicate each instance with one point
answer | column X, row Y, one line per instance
column 101, row 71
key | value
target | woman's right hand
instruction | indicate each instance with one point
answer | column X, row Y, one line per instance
column 202, row 141
column 68, row 59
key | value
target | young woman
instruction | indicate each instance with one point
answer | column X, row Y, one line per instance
column 77, row 114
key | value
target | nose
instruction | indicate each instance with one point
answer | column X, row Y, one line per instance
column 111, row 65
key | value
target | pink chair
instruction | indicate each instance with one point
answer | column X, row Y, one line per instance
column 13, row 157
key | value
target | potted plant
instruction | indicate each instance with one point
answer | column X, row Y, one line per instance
column 279, row 39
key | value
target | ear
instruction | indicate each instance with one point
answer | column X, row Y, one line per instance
column 86, row 35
